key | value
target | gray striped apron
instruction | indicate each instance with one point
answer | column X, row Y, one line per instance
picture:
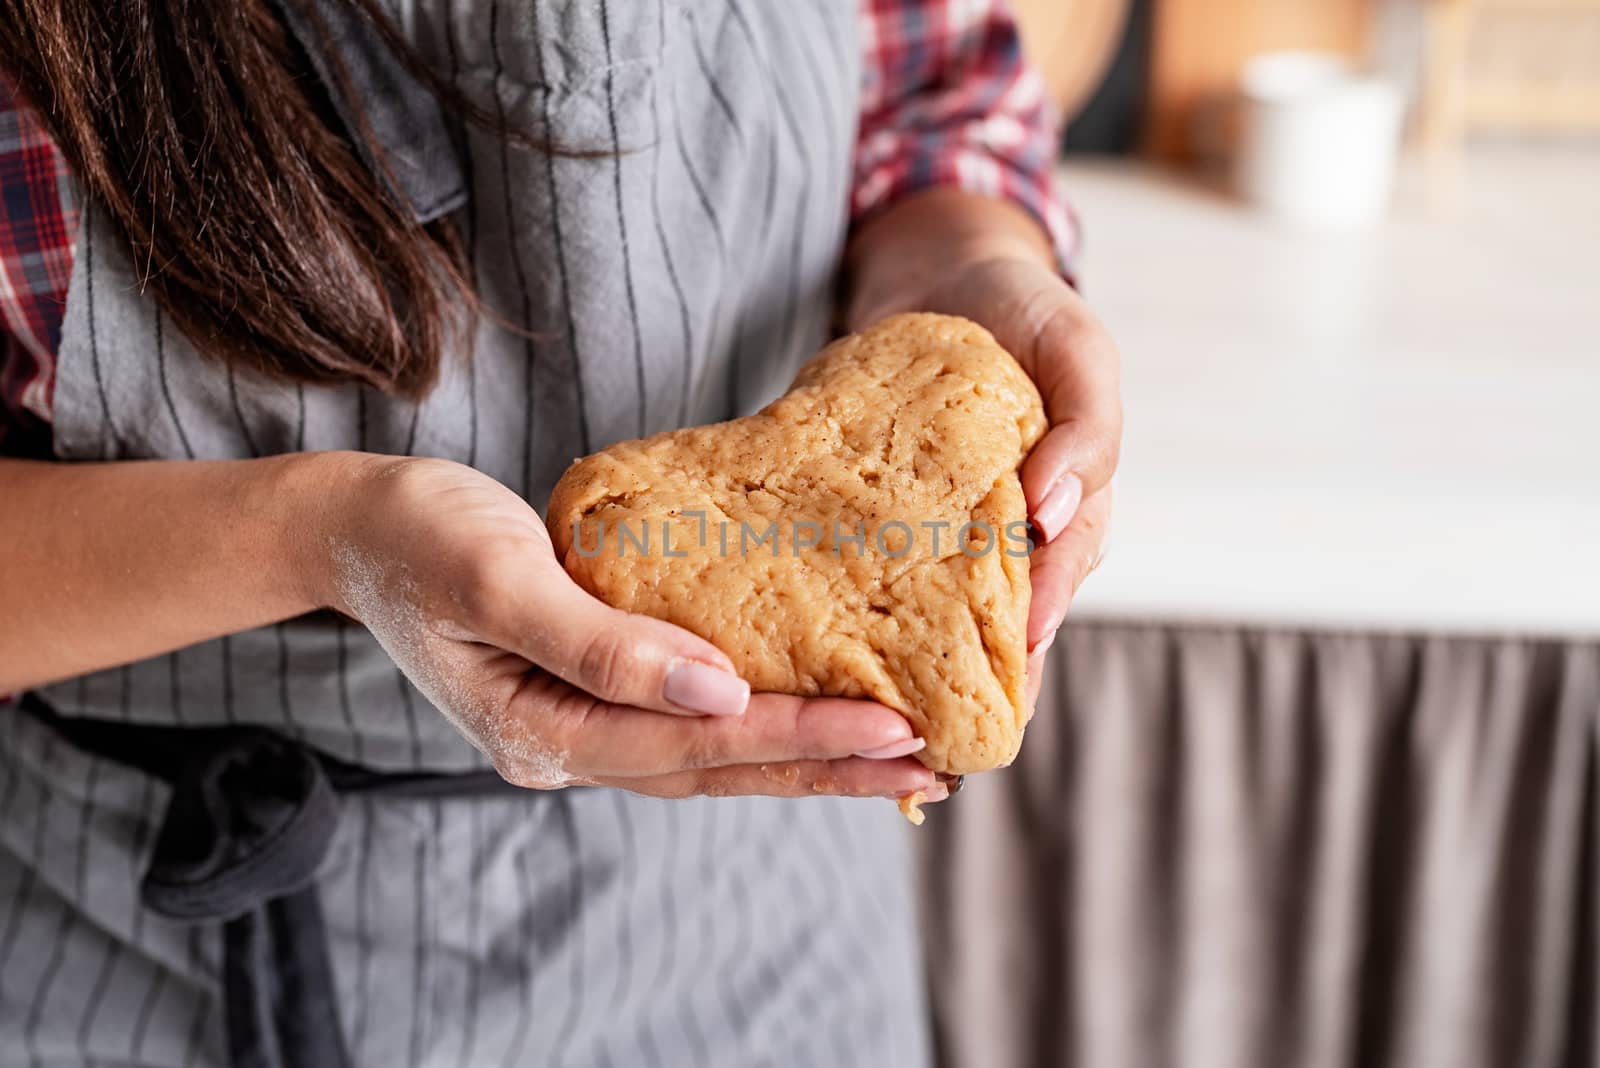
column 679, row 277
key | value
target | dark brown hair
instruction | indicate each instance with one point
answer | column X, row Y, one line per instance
column 251, row 218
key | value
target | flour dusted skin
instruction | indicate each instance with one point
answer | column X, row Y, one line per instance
column 862, row 536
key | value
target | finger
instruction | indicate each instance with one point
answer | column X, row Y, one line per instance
column 619, row 657
column 1077, row 369
column 854, row 777
column 1056, row 570
column 1042, row 321
column 553, row 722
column 1036, row 669
column 776, row 728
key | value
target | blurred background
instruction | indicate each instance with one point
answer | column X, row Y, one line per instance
column 1313, row 779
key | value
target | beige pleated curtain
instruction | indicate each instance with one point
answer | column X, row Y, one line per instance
column 1245, row 848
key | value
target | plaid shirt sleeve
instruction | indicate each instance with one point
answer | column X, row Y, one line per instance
column 38, row 224
column 947, row 99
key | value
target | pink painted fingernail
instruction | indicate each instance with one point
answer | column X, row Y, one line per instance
column 696, row 687
column 901, row 748
column 1059, row 506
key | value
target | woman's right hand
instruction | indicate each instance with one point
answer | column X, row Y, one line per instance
column 455, row 576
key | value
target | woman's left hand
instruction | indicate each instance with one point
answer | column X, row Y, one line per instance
column 1005, row 281
column 1043, row 322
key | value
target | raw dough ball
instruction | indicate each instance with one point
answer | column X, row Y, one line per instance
column 905, row 434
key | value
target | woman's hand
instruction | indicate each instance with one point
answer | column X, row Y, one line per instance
column 455, row 576
column 960, row 254
column 1040, row 320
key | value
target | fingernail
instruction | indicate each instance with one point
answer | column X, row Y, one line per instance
column 1044, row 643
column 905, row 747
column 701, row 688
column 1059, row 506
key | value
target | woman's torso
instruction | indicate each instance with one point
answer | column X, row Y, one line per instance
column 678, row 276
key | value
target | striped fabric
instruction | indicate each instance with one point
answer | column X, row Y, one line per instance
column 946, row 99
column 580, row 928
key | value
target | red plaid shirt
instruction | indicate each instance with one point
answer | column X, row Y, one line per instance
column 946, row 99
column 38, row 220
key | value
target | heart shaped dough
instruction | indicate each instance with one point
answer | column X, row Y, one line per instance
column 862, row 536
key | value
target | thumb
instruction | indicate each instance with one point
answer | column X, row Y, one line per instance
column 620, row 657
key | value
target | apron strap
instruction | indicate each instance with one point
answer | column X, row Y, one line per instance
column 247, row 827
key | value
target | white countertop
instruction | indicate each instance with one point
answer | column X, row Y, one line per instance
column 1395, row 430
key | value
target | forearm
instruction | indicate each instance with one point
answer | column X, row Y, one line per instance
column 104, row 564
column 908, row 248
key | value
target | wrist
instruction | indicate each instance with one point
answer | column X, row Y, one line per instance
column 896, row 260
column 314, row 498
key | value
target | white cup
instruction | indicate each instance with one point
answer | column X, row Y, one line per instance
column 1319, row 141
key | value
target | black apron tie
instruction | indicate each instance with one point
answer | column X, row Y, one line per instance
column 247, row 827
